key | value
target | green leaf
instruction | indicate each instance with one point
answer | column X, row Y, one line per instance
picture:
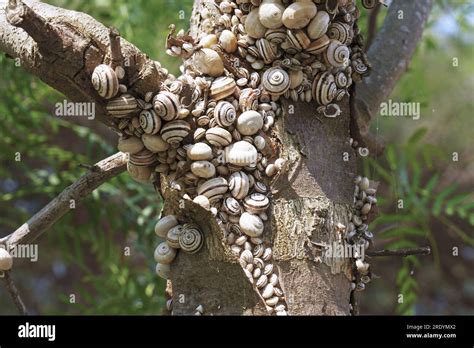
column 438, row 203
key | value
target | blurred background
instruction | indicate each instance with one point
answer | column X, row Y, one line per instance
column 84, row 253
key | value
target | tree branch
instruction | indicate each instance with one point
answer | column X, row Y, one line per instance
column 14, row 293
column 63, row 47
column 390, row 55
column 372, row 25
column 59, row 206
column 400, row 252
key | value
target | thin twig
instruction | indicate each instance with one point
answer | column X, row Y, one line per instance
column 59, row 206
column 14, row 293
column 115, row 48
column 372, row 25
column 400, row 252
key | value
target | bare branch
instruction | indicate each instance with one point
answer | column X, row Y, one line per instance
column 390, row 55
column 59, row 206
column 400, row 252
column 63, row 47
column 372, row 25
column 14, row 293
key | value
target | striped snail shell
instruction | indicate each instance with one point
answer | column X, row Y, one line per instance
column 260, row 187
column 191, row 239
column 369, row 4
column 150, row 122
column 224, row 113
column 256, row 203
column 337, row 54
column 239, row 185
column 143, row 158
column 105, row 81
column 298, row 39
column 266, row 50
column 222, row 87
column 232, row 206
column 164, row 253
column 199, row 133
column 172, row 237
column 251, row 225
column 259, row 142
column 276, row 81
column 164, row 225
column 122, row 106
column 341, row 79
column 318, row 25
column 318, row 46
column 241, row 154
column 248, row 99
column 324, row 88
column 175, row 131
column 249, row 122
column 139, row 173
column 163, row 270
column 214, row 189
column 276, row 36
column 166, row 105
column 218, row 136
column 341, row 32
column 262, row 281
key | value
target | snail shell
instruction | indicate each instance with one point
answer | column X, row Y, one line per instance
column 150, row 122
column 249, row 122
column 276, row 81
column 276, row 36
column 259, row 142
column 299, row 14
column 224, row 114
column 105, row 81
column 208, row 62
column 369, row 4
column 268, row 291
column 203, row 169
column 166, row 105
column 318, row 46
column 324, row 88
column 191, row 239
column 213, row 189
column 164, row 225
column 6, row 260
column 262, row 281
column 241, row 154
column 203, row 201
column 267, row 50
column 164, row 254
column 172, row 237
column 199, row 151
column 298, row 39
column 272, row 301
column 208, row 41
column 246, row 256
column 131, row 145
column 239, row 185
column 256, row 203
column 228, row 41
column 341, row 32
column 155, row 143
column 218, row 136
column 143, row 158
column 296, row 78
column 337, row 54
column 175, row 131
column 163, row 270
column 267, row 254
column 122, row 106
column 253, row 27
column 270, row 13
column 318, row 25
column 251, row 225
column 222, row 87
column 268, row 268
column 232, row 206
column 248, row 99
column 341, row 80
column 139, row 173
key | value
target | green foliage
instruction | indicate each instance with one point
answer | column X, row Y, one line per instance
column 415, row 202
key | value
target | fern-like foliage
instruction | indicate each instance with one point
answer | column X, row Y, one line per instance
column 415, row 202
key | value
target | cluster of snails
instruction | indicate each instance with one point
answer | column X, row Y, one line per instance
column 213, row 143
column 358, row 230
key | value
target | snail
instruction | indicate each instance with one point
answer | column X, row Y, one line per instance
column 163, row 270
column 155, row 143
column 222, row 87
column 199, row 151
column 249, row 122
column 270, row 13
column 175, row 131
column 228, row 41
column 213, row 189
column 251, row 224
column 105, row 81
column 276, row 81
column 166, row 105
column 6, row 260
column 164, row 253
column 239, row 185
column 191, row 239
column 150, row 122
column 208, row 62
column 318, row 25
column 122, row 106
column 224, row 114
column 299, row 14
column 253, row 27
column 172, row 236
column 203, row 169
column 241, row 154
column 131, row 145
